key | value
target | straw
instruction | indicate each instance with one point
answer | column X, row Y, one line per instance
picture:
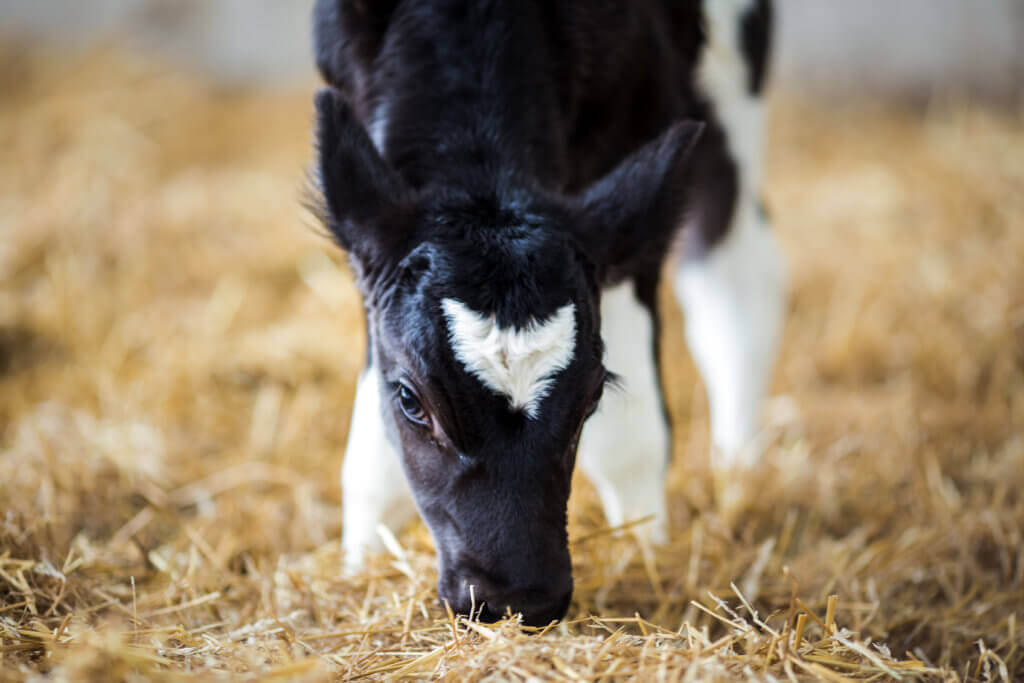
column 178, row 353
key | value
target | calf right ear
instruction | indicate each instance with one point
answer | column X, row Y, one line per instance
column 626, row 219
column 366, row 202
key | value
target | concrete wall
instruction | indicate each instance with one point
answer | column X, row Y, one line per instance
column 838, row 46
column 921, row 45
column 237, row 40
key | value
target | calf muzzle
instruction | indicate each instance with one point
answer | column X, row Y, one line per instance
column 539, row 604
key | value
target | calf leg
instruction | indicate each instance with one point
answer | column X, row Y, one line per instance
column 733, row 300
column 374, row 489
column 625, row 444
column 731, row 283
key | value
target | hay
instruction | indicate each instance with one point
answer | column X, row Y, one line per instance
column 178, row 352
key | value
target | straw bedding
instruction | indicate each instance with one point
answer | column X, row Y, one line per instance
column 179, row 346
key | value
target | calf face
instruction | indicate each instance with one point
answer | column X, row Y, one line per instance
column 482, row 307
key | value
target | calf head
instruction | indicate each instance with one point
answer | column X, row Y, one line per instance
column 482, row 310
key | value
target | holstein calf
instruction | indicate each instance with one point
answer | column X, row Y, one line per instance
column 508, row 178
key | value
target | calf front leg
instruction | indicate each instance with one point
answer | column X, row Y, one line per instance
column 733, row 300
column 731, row 282
column 374, row 488
column 731, row 287
column 624, row 448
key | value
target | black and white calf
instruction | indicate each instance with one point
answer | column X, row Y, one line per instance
column 508, row 177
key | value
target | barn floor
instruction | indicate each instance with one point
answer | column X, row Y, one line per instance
column 179, row 345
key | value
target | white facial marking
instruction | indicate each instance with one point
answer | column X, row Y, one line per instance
column 519, row 363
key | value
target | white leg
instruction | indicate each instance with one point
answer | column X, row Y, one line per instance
column 733, row 303
column 733, row 296
column 374, row 489
column 625, row 445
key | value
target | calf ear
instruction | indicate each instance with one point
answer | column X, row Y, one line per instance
column 634, row 209
column 365, row 201
column 347, row 33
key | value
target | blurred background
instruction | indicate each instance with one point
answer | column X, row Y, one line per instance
column 179, row 344
column 834, row 46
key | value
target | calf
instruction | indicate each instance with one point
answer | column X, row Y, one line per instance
column 508, row 178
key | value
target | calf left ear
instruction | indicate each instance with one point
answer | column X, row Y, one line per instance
column 366, row 200
column 636, row 207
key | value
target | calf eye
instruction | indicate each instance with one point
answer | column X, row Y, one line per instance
column 411, row 406
column 595, row 400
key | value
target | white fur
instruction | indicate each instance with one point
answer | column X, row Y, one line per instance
column 378, row 127
column 374, row 489
column 734, row 299
column 722, row 75
column 518, row 363
column 625, row 444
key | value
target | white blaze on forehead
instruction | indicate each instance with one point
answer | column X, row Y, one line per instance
column 518, row 363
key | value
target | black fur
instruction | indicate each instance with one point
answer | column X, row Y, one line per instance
column 755, row 40
column 534, row 151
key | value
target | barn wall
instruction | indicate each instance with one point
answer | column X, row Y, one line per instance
column 835, row 46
